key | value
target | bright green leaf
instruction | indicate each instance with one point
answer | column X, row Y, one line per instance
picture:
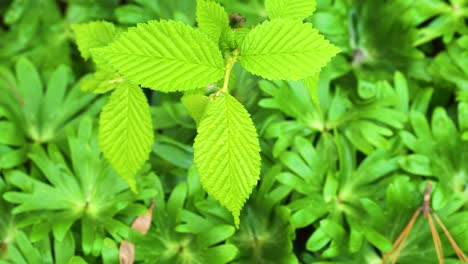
column 285, row 49
column 212, row 19
column 227, row 153
column 125, row 131
column 93, row 35
column 295, row 9
column 166, row 55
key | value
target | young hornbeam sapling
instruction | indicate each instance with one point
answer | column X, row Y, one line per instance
column 428, row 214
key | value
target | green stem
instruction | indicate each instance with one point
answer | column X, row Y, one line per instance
column 229, row 65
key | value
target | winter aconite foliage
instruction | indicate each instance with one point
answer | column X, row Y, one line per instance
column 233, row 131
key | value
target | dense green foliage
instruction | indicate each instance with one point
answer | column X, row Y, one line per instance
column 265, row 131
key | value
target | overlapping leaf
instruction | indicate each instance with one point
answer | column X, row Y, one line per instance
column 285, row 49
column 227, row 153
column 93, row 35
column 166, row 55
column 125, row 131
column 196, row 105
column 101, row 82
column 295, row 9
column 211, row 19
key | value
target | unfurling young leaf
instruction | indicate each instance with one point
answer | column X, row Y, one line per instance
column 285, row 49
column 165, row 55
column 125, row 131
column 212, row 19
column 295, row 9
column 227, row 153
column 93, row 35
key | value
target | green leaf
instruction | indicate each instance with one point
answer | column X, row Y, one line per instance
column 101, row 82
column 30, row 254
column 212, row 19
column 377, row 239
column 165, row 55
column 295, row 9
column 110, row 251
column 317, row 240
column 77, row 260
column 417, row 164
column 196, row 105
column 125, row 131
column 93, row 35
column 312, row 86
column 285, row 49
column 227, row 153
column 30, row 87
column 64, row 250
column 10, row 158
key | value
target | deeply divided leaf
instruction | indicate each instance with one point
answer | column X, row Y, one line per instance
column 93, row 35
column 125, row 131
column 166, row 55
column 227, row 153
column 295, row 9
column 211, row 19
column 286, row 50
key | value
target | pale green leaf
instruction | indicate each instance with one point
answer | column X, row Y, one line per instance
column 227, row 153
column 101, row 82
column 211, row 19
column 93, row 35
column 166, row 55
column 295, row 9
column 285, row 50
column 125, row 131
column 196, row 105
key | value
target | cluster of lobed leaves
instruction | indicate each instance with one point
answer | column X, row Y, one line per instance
column 257, row 138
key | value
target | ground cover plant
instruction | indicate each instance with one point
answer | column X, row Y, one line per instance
column 234, row 131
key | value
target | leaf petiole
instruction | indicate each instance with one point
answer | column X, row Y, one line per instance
column 229, row 65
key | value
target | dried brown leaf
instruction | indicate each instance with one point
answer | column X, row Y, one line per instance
column 141, row 224
column 127, row 252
